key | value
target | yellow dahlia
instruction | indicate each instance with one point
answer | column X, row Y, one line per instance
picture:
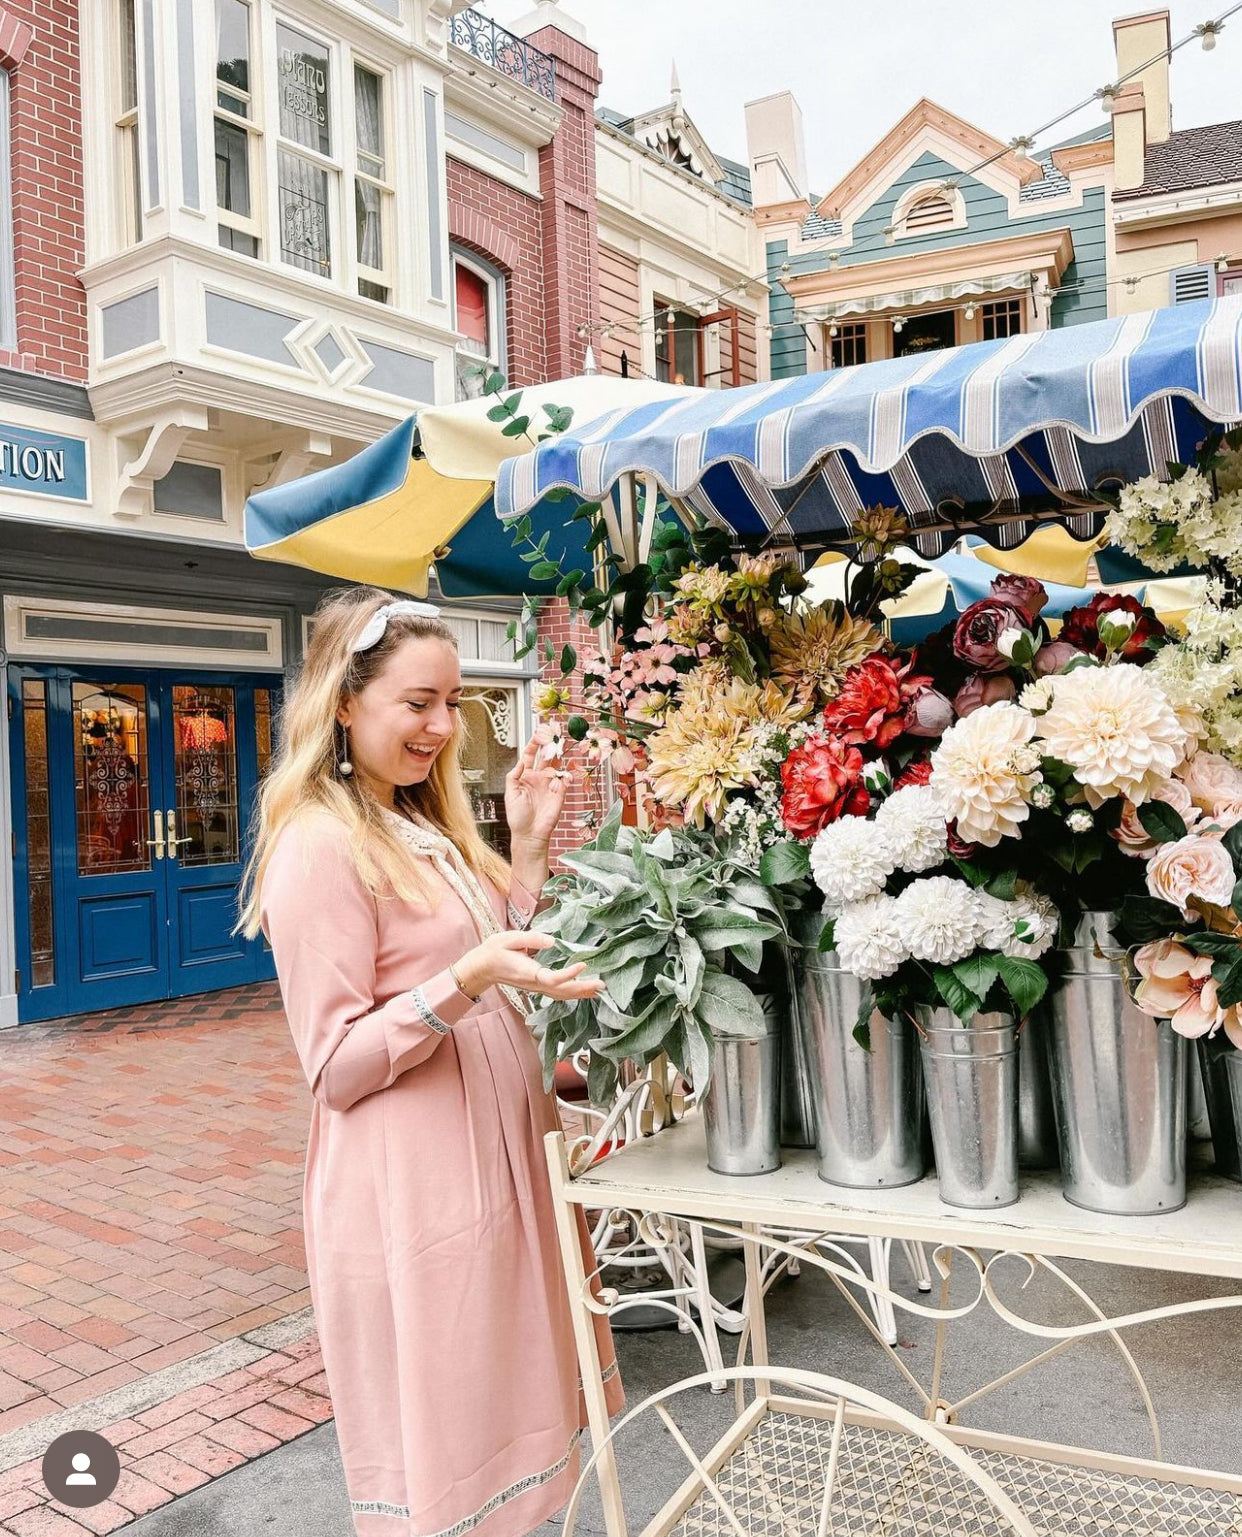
column 1116, row 730
column 812, row 652
column 983, row 773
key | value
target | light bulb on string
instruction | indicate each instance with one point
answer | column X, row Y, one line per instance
column 1207, row 32
column 834, row 329
column 970, row 312
column 898, row 323
column 890, row 234
column 1021, row 147
column 1107, row 95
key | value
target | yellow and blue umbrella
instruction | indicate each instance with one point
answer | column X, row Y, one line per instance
column 420, row 497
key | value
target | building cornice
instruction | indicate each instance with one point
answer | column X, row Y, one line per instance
column 485, row 93
column 1082, row 157
column 1169, row 207
column 38, row 391
column 679, row 171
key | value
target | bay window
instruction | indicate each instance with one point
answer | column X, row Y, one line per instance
column 307, row 177
column 235, row 135
column 372, row 185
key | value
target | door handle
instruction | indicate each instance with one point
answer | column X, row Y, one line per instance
column 173, row 841
column 157, row 843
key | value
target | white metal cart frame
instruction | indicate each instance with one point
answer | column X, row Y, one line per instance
column 798, row 1447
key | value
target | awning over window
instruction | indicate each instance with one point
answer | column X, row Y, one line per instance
column 919, row 298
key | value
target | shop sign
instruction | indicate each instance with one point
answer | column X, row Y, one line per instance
column 42, row 462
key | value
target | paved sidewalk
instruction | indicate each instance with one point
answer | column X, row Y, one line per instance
column 152, row 1273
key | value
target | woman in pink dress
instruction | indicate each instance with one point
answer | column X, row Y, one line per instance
column 405, row 961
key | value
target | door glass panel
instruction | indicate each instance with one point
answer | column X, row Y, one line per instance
column 263, row 729
column 111, row 778
column 38, row 833
column 205, row 743
column 489, row 721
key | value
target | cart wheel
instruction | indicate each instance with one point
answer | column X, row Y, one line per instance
column 813, row 1453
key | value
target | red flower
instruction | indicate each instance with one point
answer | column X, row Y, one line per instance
column 1081, row 626
column 978, row 630
column 959, row 847
column 871, row 706
column 822, row 781
column 917, row 772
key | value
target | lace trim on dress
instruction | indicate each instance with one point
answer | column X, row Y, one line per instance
column 427, row 1014
column 517, row 918
column 522, row 1486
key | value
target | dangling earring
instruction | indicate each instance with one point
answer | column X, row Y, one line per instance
column 344, row 767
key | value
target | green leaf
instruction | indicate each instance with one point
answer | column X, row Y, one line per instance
column 828, row 937
column 544, row 571
column 494, row 382
column 569, row 581
column 728, row 1007
column 569, row 660
column 1228, row 978
column 957, row 997
column 721, row 931
column 1161, row 822
column 1235, row 901
column 1025, row 982
column 499, row 413
column 577, row 727
column 862, row 1025
column 523, row 527
column 977, row 973
column 1233, row 846
column 602, row 1078
column 1003, row 884
column 784, row 863
column 516, row 428
column 511, row 630
column 973, row 874
column 1211, row 944
column 1147, row 918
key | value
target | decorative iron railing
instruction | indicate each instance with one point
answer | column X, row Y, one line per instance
column 482, row 39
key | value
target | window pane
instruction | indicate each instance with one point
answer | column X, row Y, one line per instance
column 129, row 58
column 232, row 169
column 375, row 291
column 369, row 125
column 233, row 55
column 110, row 773
column 473, row 293
column 304, row 214
column 205, row 740
column 303, row 70
column 368, row 214
column 234, row 240
column 686, row 351
column 38, row 834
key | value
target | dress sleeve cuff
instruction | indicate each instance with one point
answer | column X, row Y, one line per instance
column 522, row 906
column 440, row 1002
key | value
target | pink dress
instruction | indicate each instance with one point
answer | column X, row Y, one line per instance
column 430, row 1236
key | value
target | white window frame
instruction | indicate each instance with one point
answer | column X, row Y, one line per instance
column 497, row 317
column 252, row 126
column 921, row 193
column 340, row 265
column 385, row 275
column 127, row 147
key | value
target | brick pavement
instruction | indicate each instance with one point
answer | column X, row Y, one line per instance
column 152, row 1273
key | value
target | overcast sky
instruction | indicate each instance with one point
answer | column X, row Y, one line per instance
column 856, row 66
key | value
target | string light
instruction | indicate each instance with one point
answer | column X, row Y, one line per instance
column 1021, row 147
column 890, row 234
column 1207, row 32
column 969, row 312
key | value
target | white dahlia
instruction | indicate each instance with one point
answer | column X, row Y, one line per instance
column 982, row 774
column 851, row 859
column 913, row 822
column 1117, row 731
column 1024, row 927
column 939, row 919
column 868, row 938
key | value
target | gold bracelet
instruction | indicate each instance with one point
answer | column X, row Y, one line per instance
column 452, row 971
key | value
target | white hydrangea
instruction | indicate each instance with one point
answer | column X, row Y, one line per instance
column 1024, row 927
column 913, row 822
column 851, row 859
column 1156, row 520
column 939, row 919
column 1202, row 674
column 868, row 938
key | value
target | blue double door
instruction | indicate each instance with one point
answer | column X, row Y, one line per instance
column 133, row 797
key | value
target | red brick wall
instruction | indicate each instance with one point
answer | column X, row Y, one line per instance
column 556, row 625
column 504, row 225
column 39, row 47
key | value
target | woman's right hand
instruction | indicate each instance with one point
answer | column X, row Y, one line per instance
column 510, row 957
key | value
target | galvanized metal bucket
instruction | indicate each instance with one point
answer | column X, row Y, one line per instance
column 742, row 1106
column 798, row 1078
column 1230, row 1064
column 972, row 1100
column 1119, row 1087
column 869, row 1115
column 1215, row 1073
column 1037, row 1124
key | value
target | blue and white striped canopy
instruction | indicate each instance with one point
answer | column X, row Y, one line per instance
column 979, row 438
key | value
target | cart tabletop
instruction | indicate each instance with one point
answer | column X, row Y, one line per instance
column 668, row 1173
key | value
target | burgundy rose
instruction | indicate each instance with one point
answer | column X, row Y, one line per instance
column 959, row 847
column 980, row 627
column 822, row 781
column 1053, row 657
column 1021, row 592
column 929, row 713
column 1081, row 627
column 981, row 690
column 871, row 706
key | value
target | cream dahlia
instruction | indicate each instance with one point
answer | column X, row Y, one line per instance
column 1116, row 730
column 913, row 823
column 982, row 774
column 868, row 938
column 939, row 919
column 851, row 859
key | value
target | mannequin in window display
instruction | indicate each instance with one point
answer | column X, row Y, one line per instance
column 406, row 966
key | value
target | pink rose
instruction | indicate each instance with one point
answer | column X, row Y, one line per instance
column 981, row 690
column 1196, row 867
column 929, row 713
column 1130, row 833
column 1214, row 785
column 1053, row 657
column 1021, row 592
column 976, row 633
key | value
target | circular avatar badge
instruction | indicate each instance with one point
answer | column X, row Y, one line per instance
column 81, row 1468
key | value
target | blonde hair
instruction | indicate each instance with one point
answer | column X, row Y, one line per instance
column 305, row 773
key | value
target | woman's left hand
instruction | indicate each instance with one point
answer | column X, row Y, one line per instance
column 534, row 797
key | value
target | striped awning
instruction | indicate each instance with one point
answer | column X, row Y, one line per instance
column 995, row 437
column 919, row 298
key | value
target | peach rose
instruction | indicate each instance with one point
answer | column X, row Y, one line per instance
column 1130, row 833
column 1195, row 866
column 1214, row 785
column 1178, row 986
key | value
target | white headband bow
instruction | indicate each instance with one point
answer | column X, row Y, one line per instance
column 372, row 632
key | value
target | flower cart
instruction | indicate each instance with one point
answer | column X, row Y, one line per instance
column 1027, row 826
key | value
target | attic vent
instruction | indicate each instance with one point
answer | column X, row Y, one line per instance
column 1190, row 283
column 929, row 213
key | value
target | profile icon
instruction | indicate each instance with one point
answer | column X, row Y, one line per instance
column 81, row 1468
